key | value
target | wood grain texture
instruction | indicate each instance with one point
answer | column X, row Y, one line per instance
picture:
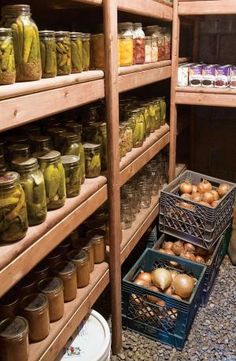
column 208, row 97
column 149, row 8
column 213, row 7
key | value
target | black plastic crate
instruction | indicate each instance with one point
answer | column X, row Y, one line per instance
column 169, row 324
column 200, row 225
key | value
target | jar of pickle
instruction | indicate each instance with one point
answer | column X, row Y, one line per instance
column 25, row 40
column 153, row 31
column 56, row 135
column 162, row 110
column 14, row 339
column 147, row 118
column 32, row 181
column 90, row 250
column 40, row 144
column 72, row 166
column 152, row 116
column 98, row 51
column 76, row 52
column 122, row 145
column 157, row 117
column 99, row 247
column 128, row 136
column 35, row 309
column 48, row 53
column 86, row 51
column 136, row 121
column 74, row 127
column 126, row 215
column 54, row 177
column 125, row 44
column 52, row 287
column 14, row 221
column 92, row 160
column 90, row 132
column 66, row 271
column 139, row 44
column 101, row 138
column 7, row 59
column 9, row 304
column 148, row 49
column 81, row 262
column 63, row 52
column 18, row 152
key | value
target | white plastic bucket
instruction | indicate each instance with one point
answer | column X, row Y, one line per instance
column 91, row 343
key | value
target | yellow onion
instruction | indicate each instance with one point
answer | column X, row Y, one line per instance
column 153, row 298
column 203, row 203
column 183, row 285
column 145, row 276
column 201, row 251
column 208, row 197
column 185, row 187
column 215, row 194
column 204, row 186
column 200, row 259
column 177, row 248
column 196, row 197
column 161, row 278
column 188, row 255
column 188, row 247
column 176, row 296
column 214, row 204
column 194, row 189
column 167, row 245
column 173, row 274
column 142, row 283
column 186, row 196
column 161, row 303
column 168, row 291
column 223, row 189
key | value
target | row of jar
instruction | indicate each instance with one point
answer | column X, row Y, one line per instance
column 149, row 182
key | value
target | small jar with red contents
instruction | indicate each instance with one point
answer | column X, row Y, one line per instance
column 139, row 44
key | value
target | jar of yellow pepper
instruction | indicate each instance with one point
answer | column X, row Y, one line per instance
column 125, row 44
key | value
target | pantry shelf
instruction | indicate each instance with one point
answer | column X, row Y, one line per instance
column 208, row 97
column 138, row 157
column 75, row 312
column 151, row 8
column 212, row 7
column 19, row 258
column 48, row 96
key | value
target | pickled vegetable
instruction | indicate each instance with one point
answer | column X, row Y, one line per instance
column 7, row 59
column 163, row 110
column 72, row 168
column 63, row 50
column 85, row 52
column 98, row 51
column 76, row 52
column 138, row 127
column 92, row 160
column 125, row 50
column 48, row 53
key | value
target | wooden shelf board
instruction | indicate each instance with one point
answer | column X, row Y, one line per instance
column 48, row 96
column 150, row 8
column 212, row 7
column 142, row 67
column 89, row 2
column 206, row 96
column 75, row 311
column 138, row 157
column 19, row 258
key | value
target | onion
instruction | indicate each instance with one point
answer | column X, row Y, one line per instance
column 177, row 248
column 196, row 197
column 223, row 189
column 200, row 259
column 186, row 196
column 145, row 276
column 177, row 297
column 167, row 245
column 208, row 197
column 183, row 285
column 188, row 255
column 188, row 247
column 185, row 187
column 153, row 298
column 168, row 291
column 173, row 274
column 161, row 303
column 187, row 206
column 204, row 204
column 194, row 189
column 204, row 186
column 214, row 204
column 215, row 194
column 161, row 278
column 142, row 283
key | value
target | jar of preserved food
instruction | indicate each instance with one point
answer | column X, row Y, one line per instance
column 56, row 135
column 33, row 130
column 66, row 271
column 90, row 250
column 41, row 271
column 75, row 239
column 139, row 44
column 25, row 40
column 27, row 286
column 14, row 221
column 153, row 32
column 9, row 304
column 7, row 60
column 161, row 43
column 128, row 194
column 54, row 177
column 92, row 160
column 86, row 51
column 40, row 144
column 48, row 53
column 99, row 246
column 72, row 166
column 147, row 119
column 17, row 138
column 65, row 246
column 126, row 215
column 155, row 105
column 136, row 121
column 76, row 52
column 125, row 44
column 54, row 257
column 52, row 287
column 145, row 195
column 14, row 339
column 81, row 262
column 148, row 49
column 128, row 136
column 167, row 36
column 162, row 110
column 35, row 309
column 74, row 127
column 122, row 145
column 32, row 181
column 63, row 51
column 102, row 139
column 98, row 50
column 18, row 152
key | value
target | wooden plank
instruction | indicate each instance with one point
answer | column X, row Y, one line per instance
column 142, row 67
column 138, row 157
column 19, row 258
column 75, row 311
column 89, row 2
column 213, row 7
column 206, row 98
column 150, row 8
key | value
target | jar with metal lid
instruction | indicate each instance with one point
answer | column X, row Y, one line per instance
column 75, row 239
column 65, row 246
column 63, row 52
column 157, row 116
column 148, row 49
column 162, row 110
column 122, row 145
column 161, row 44
column 18, row 138
column 92, row 160
column 33, row 130
column 167, row 37
column 153, row 32
column 54, row 177
column 86, row 51
column 80, row 259
column 40, row 144
column 56, row 134
column 14, row 221
column 90, row 250
column 152, row 114
column 99, row 247
column 52, row 287
column 18, row 151
column 74, row 127
column 35, row 309
column 128, row 136
column 71, row 164
column 90, row 132
column 25, row 40
column 32, row 181
column 128, row 194
column 7, row 59
column 9, row 304
column 14, row 339
column 54, row 257
column 139, row 44
column 27, row 285
column 145, row 195
column 137, row 123
column 76, row 52
column 41, row 271
column 126, row 215
column 48, row 53
column 125, row 44
column 66, row 271
column 98, row 51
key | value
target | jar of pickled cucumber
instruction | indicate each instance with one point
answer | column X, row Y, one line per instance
column 14, row 221
column 152, row 114
column 72, row 166
column 56, row 133
column 54, row 177
column 74, row 127
column 137, row 123
column 91, row 132
column 25, row 40
column 76, row 52
column 125, row 44
column 32, row 181
column 19, row 152
column 7, row 58
column 92, row 160
column 48, row 53
column 162, row 110
column 63, row 51
column 153, row 31
column 128, row 136
column 98, row 51
column 157, row 117
column 40, row 144
column 86, row 51
column 146, row 118
column 122, row 144
column 101, row 138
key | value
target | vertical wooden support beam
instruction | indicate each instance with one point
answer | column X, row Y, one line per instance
column 174, row 74
column 112, row 110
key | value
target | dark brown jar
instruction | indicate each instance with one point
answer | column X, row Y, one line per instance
column 41, row 271
column 36, row 310
column 99, row 246
column 66, row 271
column 27, row 286
column 52, row 287
column 54, row 258
column 14, row 340
column 65, row 246
column 9, row 304
column 81, row 261
column 89, row 249
column 75, row 239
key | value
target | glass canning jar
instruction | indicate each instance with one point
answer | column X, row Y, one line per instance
column 52, row 287
column 35, row 309
column 72, row 166
column 32, row 181
column 80, row 259
column 157, row 116
column 122, row 145
column 89, row 248
column 14, row 339
column 125, row 44
column 14, row 221
column 152, row 116
column 148, row 49
column 66, row 271
column 147, row 119
column 7, row 59
column 74, row 127
column 136, row 121
column 101, row 138
column 167, row 37
column 126, row 215
column 54, row 257
column 145, row 195
column 86, row 37
column 48, row 53
column 98, row 51
column 153, row 32
column 9, row 304
column 56, row 133
column 139, row 44
column 128, row 136
column 92, row 160
column 54, row 177
column 76, row 52
column 128, row 194
column 41, row 271
column 161, row 44
column 40, row 144
column 19, row 152
column 25, row 40
column 63, row 51
column 162, row 110
column 27, row 286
